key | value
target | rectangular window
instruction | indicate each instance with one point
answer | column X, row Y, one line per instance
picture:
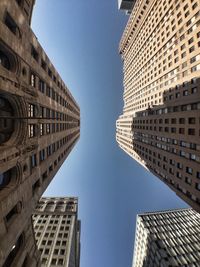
column 42, row 129
column 42, row 155
column 43, row 64
column 34, row 53
column 11, row 213
column 36, row 186
column 33, row 80
column 189, row 170
column 31, row 110
column 12, row 26
column 31, row 130
column 42, row 86
column 48, row 128
column 33, row 161
column 191, row 131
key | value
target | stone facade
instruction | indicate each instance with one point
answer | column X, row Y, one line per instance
column 159, row 127
column 39, row 125
column 57, row 231
column 167, row 238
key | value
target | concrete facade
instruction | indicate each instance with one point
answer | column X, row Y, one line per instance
column 167, row 238
column 159, row 127
column 57, row 231
column 39, row 125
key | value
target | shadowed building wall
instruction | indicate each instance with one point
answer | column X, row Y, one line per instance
column 39, row 123
column 159, row 127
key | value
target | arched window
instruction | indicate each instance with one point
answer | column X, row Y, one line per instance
column 4, row 60
column 8, row 178
column 14, row 251
column 6, row 121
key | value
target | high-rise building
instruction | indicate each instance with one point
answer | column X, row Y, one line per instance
column 126, row 5
column 160, row 127
column 167, row 238
column 39, row 125
column 57, row 231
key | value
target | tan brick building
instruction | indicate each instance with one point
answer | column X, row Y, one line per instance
column 39, row 125
column 167, row 238
column 57, row 231
column 160, row 124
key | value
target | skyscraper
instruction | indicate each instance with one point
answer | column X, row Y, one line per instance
column 167, row 238
column 39, row 125
column 126, row 5
column 159, row 127
column 57, row 231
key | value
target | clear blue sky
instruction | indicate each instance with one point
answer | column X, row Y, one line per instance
column 81, row 38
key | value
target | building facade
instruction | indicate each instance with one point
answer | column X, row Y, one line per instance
column 126, row 5
column 39, row 125
column 168, row 238
column 159, row 127
column 57, row 231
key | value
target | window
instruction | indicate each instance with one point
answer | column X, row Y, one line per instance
column 43, row 64
column 188, row 180
column 31, row 130
column 194, row 90
column 44, row 176
column 14, row 211
column 14, row 251
column 4, row 60
column 181, row 130
column 41, row 86
column 12, row 26
column 197, row 186
column 181, row 120
column 50, row 73
column 36, row 186
column 189, row 170
column 191, row 131
column 53, row 260
column 48, row 128
column 33, row 161
column 33, row 80
column 41, row 129
column 191, row 120
column 60, row 261
column 31, row 110
column 179, row 165
column 191, row 49
column 5, row 178
column 34, row 53
column 42, row 155
column 46, row 251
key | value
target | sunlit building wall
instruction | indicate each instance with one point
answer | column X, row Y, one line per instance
column 57, row 231
column 167, row 238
